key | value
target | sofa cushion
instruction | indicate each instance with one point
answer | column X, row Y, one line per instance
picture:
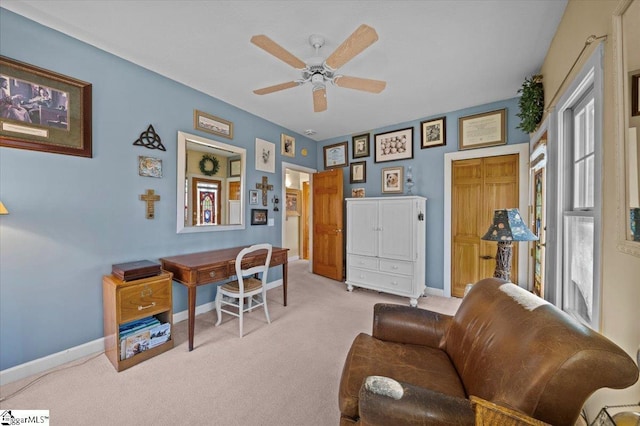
column 418, row 365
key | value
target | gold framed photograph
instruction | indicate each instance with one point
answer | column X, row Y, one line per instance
column 287, row 145
column 335, row 155
column 393, row 180
column 360, row 146
column 433, row 132
column 212, row 124
column 395, row 145
column 482, row 130
column 292, row 202
column 42, row 110
column 235, row 167
column 358, row 172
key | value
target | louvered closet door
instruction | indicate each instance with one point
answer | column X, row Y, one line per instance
column 480, row 186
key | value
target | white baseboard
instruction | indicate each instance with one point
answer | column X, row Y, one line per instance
column 51, row 361
column 48, row 362
column 430, row 291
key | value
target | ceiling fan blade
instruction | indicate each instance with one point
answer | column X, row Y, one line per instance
column 364, row 84
column 319, row 99
column 276, row 88
column 270, row 46
column 361, row 38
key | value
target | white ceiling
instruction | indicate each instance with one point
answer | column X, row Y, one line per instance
column 436, row 56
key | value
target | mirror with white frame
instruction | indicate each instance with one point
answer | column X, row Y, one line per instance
column 627, row 64
column 210, row 185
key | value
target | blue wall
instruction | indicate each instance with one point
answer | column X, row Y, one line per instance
column 71, row 218
column 428, row 173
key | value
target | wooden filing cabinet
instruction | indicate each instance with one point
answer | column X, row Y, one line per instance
column 125, row 301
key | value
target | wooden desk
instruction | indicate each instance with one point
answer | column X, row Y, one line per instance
column 208, row 267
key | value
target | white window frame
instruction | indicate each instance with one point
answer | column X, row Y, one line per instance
column 589, row 78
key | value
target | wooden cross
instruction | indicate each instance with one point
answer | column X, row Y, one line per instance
column 150, row 197
column 264, row 186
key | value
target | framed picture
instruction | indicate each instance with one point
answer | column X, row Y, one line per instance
column 357, row 192
column 396, row 145
column 293, row 204
column 482, row 130
column 44, row 111
column 360, row 146
column 253, row 197
column 635, row 94
column 433, row 132
column 212, row 124
column 259, row 216
column 358, row 172
column 335, row 155
column 149, row 166
column 265, row 156
column 235, row 167
column 287, row 145
column 392, row 180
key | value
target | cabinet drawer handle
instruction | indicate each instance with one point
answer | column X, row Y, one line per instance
column 394, row 267
column 212, row 274
column 140, row 308
column 394, row 283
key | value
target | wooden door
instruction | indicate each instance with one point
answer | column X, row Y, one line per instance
column 328, row 245
column 206, row 195
column 234, row 190
column 479, row 186
column 304, row 228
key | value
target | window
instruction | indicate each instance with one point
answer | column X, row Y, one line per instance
column 579, row 197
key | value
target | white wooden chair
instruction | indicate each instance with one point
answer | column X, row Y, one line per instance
column 245, row 286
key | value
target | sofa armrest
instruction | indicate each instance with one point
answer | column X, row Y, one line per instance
column 404, row 324
column 488, row 414
column 384, row 401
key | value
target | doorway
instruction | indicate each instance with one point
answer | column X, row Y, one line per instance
column 523, row 194
column 296, row 210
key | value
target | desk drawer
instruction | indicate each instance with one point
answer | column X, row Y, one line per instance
column 279, row 258
column 141, row 300
column 213, row 274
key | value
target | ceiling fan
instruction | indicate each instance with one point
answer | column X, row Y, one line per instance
column 319, row 71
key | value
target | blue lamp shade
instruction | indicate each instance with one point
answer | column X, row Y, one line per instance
column 508, row 226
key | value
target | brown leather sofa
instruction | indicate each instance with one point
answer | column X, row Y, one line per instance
column 503, row 345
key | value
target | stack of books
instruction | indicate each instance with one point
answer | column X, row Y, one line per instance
column 143, row 334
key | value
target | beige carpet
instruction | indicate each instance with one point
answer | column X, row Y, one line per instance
column 285, row 373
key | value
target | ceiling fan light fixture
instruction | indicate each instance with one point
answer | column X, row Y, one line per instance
column 319, row 71
column 317, row 78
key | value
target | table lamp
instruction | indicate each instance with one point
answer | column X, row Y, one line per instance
column 507, row 227
column 3, row 209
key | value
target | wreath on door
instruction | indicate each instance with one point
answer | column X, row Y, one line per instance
column 209, row 165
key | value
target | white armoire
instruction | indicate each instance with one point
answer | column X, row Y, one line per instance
column 386, row 245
